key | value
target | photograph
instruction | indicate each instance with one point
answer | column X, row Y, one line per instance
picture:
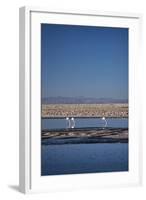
column 84, row 99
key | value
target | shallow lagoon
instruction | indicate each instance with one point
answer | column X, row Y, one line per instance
column 50, row 123
column 84, row 158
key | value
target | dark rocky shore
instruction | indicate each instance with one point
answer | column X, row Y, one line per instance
column 85, row 135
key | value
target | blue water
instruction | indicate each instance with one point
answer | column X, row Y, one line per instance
column 84, row 158
column 85, row 122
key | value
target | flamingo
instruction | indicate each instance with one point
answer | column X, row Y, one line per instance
column 103, row 118
column 73, row 122
column 68, row 120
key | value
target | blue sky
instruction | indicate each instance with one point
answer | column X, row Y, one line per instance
column 84, row 61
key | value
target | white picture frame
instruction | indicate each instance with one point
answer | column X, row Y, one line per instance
column 29, row 160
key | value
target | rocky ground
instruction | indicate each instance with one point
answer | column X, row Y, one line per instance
column 84, row 110
column 88, row 135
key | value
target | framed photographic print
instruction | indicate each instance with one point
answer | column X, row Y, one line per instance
column 79, row 100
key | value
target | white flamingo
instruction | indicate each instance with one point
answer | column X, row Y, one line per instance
column 103, row 118
column 68, row 122
column 73, row 122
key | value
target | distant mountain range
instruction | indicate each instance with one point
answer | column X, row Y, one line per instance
column 81, row 100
